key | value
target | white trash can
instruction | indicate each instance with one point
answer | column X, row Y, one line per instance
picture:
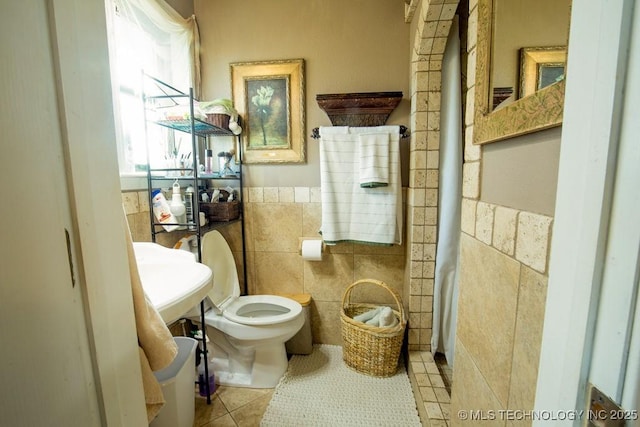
column 178, row 385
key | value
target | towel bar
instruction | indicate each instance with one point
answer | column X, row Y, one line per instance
column 404, row 132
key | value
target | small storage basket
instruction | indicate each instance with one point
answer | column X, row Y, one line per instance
column 370, row 349
column 221, row 211
column 219, row 120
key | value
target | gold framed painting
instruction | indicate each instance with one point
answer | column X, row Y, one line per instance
column 269, row 96
column 541, row 67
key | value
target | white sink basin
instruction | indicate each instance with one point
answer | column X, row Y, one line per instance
column 147, row 252
column 172, row 279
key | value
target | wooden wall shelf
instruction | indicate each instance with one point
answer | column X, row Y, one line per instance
column 359, row 109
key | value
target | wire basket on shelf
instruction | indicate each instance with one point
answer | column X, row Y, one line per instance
column 368, row 349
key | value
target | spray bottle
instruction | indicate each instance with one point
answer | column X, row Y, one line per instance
column 202, row 390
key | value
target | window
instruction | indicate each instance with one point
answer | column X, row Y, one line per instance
column 146, row 36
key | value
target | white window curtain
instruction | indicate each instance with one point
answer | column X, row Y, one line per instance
column 149, row 36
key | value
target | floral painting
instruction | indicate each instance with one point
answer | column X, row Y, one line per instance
column 267, row 118
column 269, row 96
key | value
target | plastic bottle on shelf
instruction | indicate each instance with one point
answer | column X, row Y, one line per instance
column 209, row 162
column 177, row 206
column 162, row 210
column 188, row 204
column 202, row 381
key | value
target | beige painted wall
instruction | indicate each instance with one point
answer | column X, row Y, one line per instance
column 353, row 46
column 526, row 162
column 183, row 7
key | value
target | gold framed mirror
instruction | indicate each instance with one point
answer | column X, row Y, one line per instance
column 537, row 111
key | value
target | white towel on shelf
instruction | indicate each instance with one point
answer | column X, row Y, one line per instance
column 373, row 159
column 350, row 212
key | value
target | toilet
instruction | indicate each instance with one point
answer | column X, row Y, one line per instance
column 247, row 334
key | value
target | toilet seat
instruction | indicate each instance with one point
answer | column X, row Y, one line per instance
column 261, row 310
column 254, row 310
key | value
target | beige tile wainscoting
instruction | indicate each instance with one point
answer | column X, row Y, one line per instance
column 277, row 219
column 503, row 286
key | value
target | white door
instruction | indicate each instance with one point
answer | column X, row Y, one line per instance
column 46, row 373
column 591, row 335
column 68, row 348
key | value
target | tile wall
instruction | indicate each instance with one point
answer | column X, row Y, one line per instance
column 503, row 286
column 277, row 219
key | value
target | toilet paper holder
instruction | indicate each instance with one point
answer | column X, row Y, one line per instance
column 302, row 239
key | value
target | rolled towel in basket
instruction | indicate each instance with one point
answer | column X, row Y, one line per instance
column 367, row 315
column 387, row 318
column 383, row 317
column 375, row 321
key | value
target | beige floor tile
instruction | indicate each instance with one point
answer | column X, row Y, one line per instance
column 414, row 356
column 235, row 397
column 442, row 395
column 432, row 368
column 423, row 380
column 433, row 410
column 206, row 413
column 436, row 380
column 446, row 410
column 428, row 394
column 251, row 414
column 427, row 357
column 418, row 367
column 224, row 421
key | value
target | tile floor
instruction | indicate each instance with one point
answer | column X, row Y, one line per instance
column 431, row 381
column 232, row 407
column 244, row 407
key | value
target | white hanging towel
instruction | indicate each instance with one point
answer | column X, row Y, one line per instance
column 373, row 159
column 350, row 212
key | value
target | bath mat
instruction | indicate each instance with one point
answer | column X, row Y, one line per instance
column 320, row 390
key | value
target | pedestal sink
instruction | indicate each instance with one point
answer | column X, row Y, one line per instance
column 172, row 279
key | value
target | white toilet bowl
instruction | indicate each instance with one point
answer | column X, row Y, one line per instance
column 246, row 333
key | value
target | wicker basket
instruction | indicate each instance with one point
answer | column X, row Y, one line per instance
column 221, row 211
column 369, row 349
column 219, row 120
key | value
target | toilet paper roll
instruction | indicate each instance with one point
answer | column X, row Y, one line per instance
column 312, row 250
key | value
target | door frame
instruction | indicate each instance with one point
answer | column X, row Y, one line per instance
column 596, row 72
column 80, row 56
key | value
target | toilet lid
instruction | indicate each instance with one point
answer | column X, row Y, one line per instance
column 217, row 255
